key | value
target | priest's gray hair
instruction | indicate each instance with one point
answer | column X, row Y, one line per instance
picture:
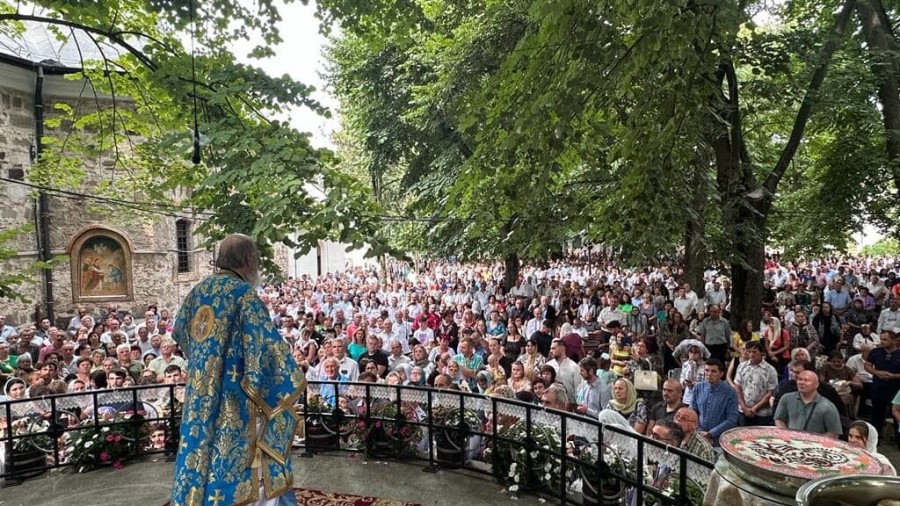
column 235, row 252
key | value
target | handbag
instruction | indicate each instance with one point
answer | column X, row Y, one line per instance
column 646, row 380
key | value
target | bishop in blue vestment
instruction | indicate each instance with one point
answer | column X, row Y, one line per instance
column 238, row 422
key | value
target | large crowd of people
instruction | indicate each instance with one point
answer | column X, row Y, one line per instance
column 635, row 346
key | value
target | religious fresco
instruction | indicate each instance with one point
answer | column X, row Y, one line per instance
column 101, row 267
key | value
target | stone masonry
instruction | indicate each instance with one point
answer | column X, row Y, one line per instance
column 154, row 256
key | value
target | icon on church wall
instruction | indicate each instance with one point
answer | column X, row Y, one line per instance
column 101, row 267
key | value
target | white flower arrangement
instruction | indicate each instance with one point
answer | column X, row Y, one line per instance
column 541, row 467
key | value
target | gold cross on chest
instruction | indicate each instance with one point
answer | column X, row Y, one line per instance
column 216, row 498
column 234, row 373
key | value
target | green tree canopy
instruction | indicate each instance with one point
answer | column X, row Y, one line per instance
column 654, row 127
column 258, row 175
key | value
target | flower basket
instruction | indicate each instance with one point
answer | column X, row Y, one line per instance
column 668, row 484
column 387, row 431
column 596, row 470
column 106, row 444
column 530, row 463
column 455, row 443
column 322, row 426
column 319, row 437
column 28, row 454
column 27, row 464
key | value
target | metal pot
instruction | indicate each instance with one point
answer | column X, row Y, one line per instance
column 849, row 490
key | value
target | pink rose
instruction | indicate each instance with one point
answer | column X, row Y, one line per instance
column 117, row 464
column 109, row 438
column 104, row 456
column 118, row 438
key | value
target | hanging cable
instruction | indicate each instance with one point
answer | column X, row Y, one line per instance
column 196, row 156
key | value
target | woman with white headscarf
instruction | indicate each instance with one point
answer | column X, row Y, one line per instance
column 612, row 417
column 15, row 389
column 863, row 435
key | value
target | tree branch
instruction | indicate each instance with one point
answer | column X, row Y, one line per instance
column 809, row 100
column 144, row 59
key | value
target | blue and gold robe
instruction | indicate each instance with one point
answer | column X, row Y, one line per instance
column 238, row 422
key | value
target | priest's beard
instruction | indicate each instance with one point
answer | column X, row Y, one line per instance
column 253, row 278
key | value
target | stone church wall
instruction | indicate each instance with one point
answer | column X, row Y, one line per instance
column 151, row 238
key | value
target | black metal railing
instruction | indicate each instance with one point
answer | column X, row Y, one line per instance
column 53, row 431
column 533, row 449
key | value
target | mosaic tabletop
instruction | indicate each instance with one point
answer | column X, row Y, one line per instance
column 794, row 457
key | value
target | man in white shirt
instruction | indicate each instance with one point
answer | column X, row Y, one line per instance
column 347, row 366
column 396, row 357
column 716, row 296
column 424, row 335
column 877, row 289
column 692, row 296
column 112, row 327
column 683, row 304
column 890, row 317
column 611, row 313
column 567, row 371
column 534, row 324
column 388, row 337
column 402, row 327
column 865, row 336
column 149, row 322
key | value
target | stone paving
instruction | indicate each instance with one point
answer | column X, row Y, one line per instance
column 148, row 483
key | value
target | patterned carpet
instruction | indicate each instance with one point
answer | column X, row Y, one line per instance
column 310, row 497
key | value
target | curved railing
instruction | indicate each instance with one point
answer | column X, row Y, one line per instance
column 58, row 431
column 531, row 448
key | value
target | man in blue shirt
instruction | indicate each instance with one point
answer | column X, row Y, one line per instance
column 716, row 402
column 838, row 297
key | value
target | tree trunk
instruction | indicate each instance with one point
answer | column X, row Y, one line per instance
column 511, row 263
column 746, row 203
column 747, row 268
column 885, row 66
column 695, row 229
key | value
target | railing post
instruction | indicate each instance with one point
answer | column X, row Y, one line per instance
column 639, row 466
column 96, row 406
column 529, row 447
column 174, row 429
column 134, row 428
column 563, row 461
column 55, row 440
column 9, row 442
column 432, row 466
column 397, row 420
column 682, row 479
column 368, row 417
column 307, row 453
column 495, row 456
column 601, row 458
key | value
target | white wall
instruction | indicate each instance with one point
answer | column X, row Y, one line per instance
column 334, row 256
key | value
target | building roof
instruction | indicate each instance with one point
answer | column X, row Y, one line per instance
column 57, row 47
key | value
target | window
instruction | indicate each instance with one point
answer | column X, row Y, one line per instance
column 183, row 244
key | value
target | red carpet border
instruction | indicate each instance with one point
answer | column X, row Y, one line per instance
column 310, row 497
